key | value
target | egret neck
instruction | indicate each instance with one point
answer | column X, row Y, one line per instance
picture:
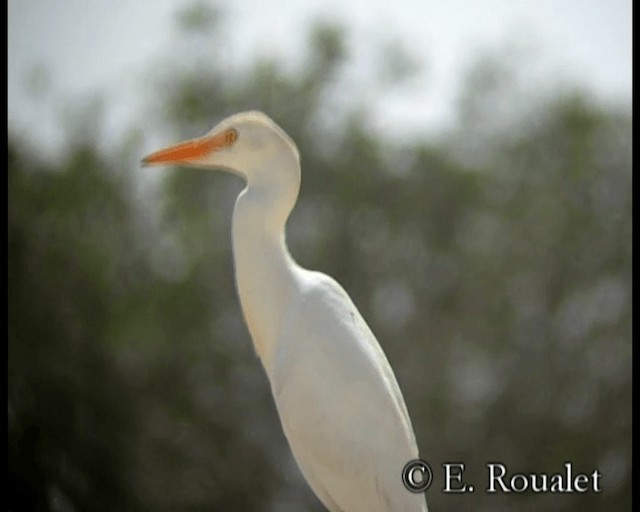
column 265, row 271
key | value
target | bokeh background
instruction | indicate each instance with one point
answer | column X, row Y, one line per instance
column 466, row 177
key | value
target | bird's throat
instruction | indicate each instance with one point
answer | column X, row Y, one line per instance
column 265, row 272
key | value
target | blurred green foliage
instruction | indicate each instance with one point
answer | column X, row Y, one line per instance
column 494, row 264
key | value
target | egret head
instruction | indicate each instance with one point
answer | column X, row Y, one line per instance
column 249, row 144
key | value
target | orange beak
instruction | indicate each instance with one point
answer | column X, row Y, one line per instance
column 192, row 150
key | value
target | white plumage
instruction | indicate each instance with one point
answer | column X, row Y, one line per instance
column 337, row 397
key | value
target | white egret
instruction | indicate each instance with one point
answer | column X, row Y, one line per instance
column 338, row 400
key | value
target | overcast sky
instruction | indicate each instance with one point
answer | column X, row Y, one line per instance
column 101, row 45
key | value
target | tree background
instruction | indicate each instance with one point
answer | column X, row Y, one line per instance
column 492, row 260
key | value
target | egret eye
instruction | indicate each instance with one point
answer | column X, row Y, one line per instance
column 231, row 136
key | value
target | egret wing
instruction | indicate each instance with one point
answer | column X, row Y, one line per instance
column 340, row 405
